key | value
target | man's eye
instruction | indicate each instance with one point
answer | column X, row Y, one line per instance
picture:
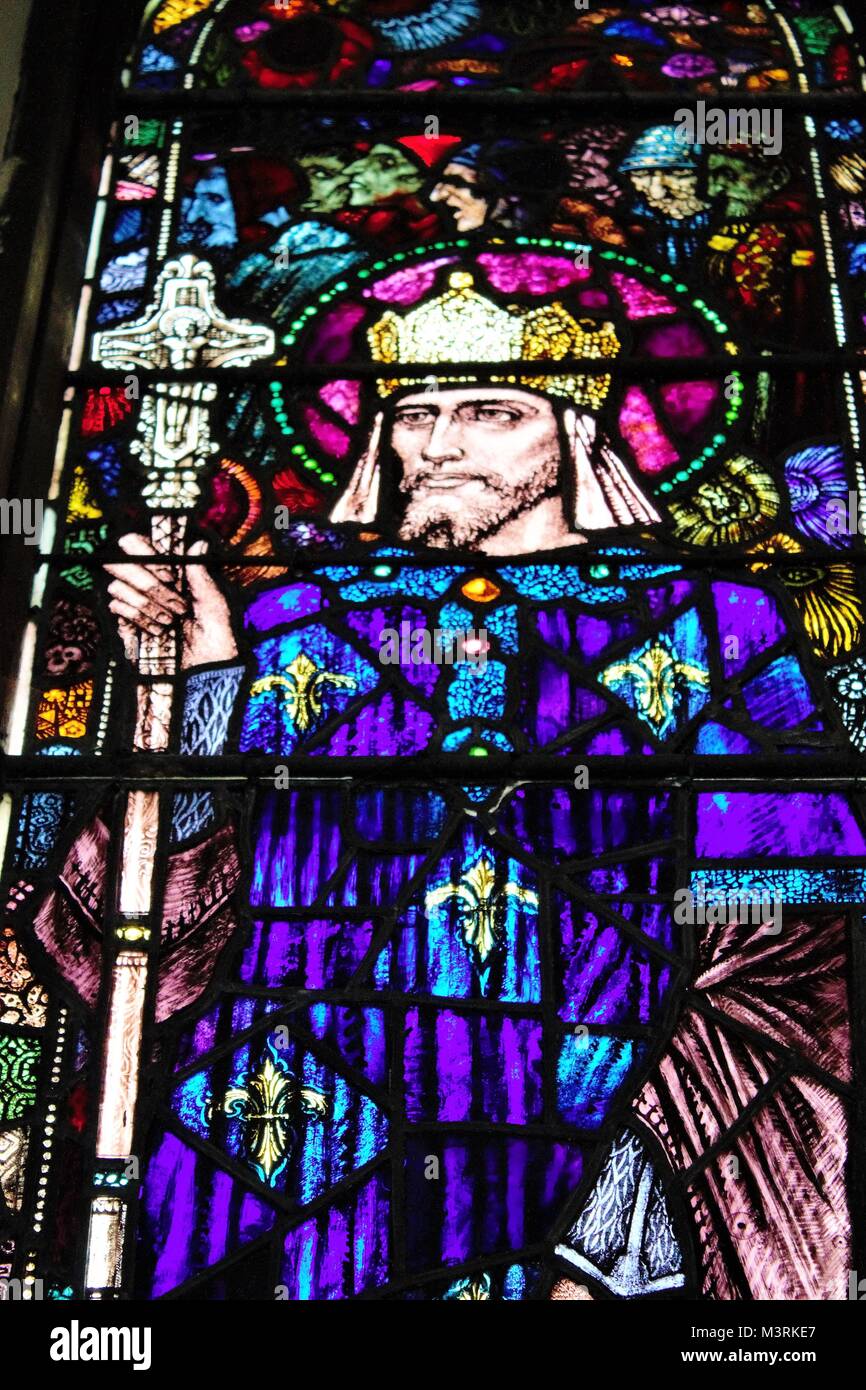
column 495, row 414
column 414, row 417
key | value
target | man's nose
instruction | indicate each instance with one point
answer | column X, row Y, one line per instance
column 444, row 442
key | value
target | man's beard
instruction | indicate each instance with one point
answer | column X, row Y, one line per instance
column 461, row 524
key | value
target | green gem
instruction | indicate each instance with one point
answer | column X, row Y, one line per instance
column 666, row 487
column 599, row 571
column 476, row 751
column 328, row 478
column 298, row 449
column 383, row 572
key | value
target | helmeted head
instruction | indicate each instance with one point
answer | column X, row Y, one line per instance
column 664, row 169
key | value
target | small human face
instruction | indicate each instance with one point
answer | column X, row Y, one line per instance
column 473, row 460
column 380, row 173
column 209, row 212
column 743, row 183
column 458, row 190
column 329, row 187
column 671, row 191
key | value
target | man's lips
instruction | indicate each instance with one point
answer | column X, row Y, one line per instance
column 446, row 481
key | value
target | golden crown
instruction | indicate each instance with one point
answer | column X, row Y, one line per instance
column 462, row 326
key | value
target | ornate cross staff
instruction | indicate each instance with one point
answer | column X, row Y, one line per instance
column 183, row 331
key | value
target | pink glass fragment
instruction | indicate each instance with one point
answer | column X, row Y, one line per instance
column 639, row 300
column 593, row 299
column 688, row 403
column 408, row 286
column 327, row 435
column 675, row 340
column 248, row 33
column 344, row 397
column 529, row 274
column 332, row 341
column 642, row 432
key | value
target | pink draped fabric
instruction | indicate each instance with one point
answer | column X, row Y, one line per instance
column 768, row 1196
column 198, row 919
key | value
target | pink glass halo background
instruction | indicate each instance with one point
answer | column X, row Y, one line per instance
column 669, row 431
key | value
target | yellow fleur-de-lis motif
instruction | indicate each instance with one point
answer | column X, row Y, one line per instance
column 653, row 676
column 302, row 688
column 269, row 1104
column 484, row 905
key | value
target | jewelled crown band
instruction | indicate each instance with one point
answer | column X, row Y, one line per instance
column 462, row 325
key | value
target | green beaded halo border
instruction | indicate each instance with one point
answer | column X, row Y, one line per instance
column 672, row 286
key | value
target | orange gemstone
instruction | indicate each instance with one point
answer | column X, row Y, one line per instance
column 480, row 590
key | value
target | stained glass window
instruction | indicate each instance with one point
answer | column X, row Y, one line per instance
column 435, row 844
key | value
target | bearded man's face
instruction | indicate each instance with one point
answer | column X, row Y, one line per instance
column 473, row 459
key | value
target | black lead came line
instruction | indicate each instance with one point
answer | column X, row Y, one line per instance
column 181, row 103
column 666, row 771
column 631, row 368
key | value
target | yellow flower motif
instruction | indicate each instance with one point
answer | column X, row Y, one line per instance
column 831, row 607
column 825, row 596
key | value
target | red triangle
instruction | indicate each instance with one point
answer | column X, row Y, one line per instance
column 429, row 148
